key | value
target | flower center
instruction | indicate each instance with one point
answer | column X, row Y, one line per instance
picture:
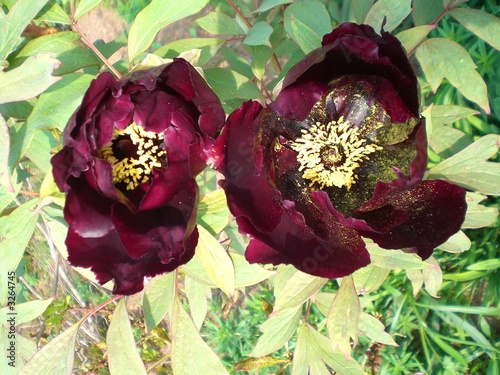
column 329, row 154
column 133, row 153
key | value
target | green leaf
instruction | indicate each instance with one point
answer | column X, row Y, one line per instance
column 153, row 18
column 368, row 279
column 417, row 280
column 433, row 277
column 213, row 212
column 393, row 259
column 411, row 38
column 24, row 349
column 5, row 179
column 85, row 6
column 247, row 274
column 446, row 141
column 447, row 114
column 39, row 150
column 208, row 46
column 323, row 302
column 67, row 46
column 259, row 34
column 14, row 23
column 56, row 357
column 268, row 4
column 30, row 79
column 313, row 350
column 190, row 354
column 56, row 105
column 219, row 23
column 477, row 215
column 53, row 12
column 297, row 290
column 394, row 12
column 306, row 21
column 443, row 58
column 486, row 26
column 260, row 57
column 343, row 318
column 360, row 9
column 470, row 169
column 426, row 12
column 485, row 265
column 16, row 230
column 26, row 312
column 195, row 270
column 450, row 4
column 197, row 295
column 158, row 299
column 276, row 331
column 216, row 261
column 458, row 243
column 123, row 357
column 257, row 363
column 372, row 328
column 231, row 85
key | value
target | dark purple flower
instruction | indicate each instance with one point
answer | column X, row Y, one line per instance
column 131, row 152
column 338, row 155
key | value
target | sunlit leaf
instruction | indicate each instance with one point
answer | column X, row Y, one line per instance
column 56, row 357
column 158, row 299
column 268, row 4
column 448, row 114
column 123, row 357
column 297, row 290
column 257, row 363
column 417, row 280
column 426, row 12
column 26, row 312
column 484, row 25
column 369, row 278
column 190, row 354
column 433, row 277
column 307, row 21
column 197, row 295
column 276, row 331
column 231, row 85
column 411, row 38
column 259, row 34
column 343, row 318
column 213, row 212
column 458, row 243
column 219, row 23
column 477, row 215
column 247, row 274
column 443, row 58
column 471, row 169
column 30, row 79
column 314, row 350
column 394, row 12
column 85, row 6
column 153, row 18
column 216, row 261
column 393, row 259
column 372, row 328
column 5, row 179
column 15, row 232
column 14, row 23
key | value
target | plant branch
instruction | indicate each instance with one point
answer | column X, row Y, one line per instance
column 87, row 41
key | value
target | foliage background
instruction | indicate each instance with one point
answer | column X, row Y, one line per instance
column 218, row 314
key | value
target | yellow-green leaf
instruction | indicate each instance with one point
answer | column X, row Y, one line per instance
column 443, row 58
column 484, row 25
column 158, row 299
column 123, row 357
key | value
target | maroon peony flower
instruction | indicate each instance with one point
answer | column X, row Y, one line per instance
column 338, row 155
column 131, row 152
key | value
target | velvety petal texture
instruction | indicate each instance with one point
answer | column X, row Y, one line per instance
column 339, row 155
column 131, row 152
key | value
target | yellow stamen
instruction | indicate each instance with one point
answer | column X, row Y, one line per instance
column 329, row 154
column 135, row 170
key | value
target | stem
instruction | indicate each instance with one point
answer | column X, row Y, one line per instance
column 86, row 40
column 32, row 193
column 434, row 24
column 99, row 307
column 308, row 309
column 238, row 11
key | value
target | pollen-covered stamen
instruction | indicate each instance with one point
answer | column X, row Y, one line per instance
column 329, row 154
column 133, row 153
